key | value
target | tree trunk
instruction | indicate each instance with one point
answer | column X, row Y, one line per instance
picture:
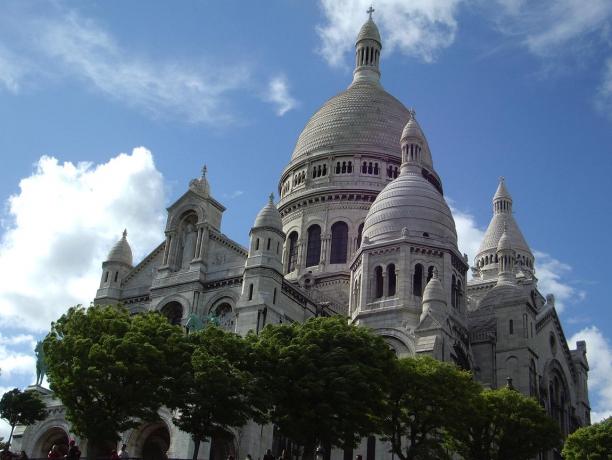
column 196, row 448
column 10, row 438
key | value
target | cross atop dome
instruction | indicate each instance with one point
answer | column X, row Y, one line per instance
column 370, row 11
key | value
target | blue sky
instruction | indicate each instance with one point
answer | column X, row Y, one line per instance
column 108, row 109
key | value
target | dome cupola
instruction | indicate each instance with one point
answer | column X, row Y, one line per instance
column 269, row 217
column 367, row 52
column 121, row 252
column 415, row 149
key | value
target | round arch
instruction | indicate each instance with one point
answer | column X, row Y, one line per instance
column 399, row 341
column 150, row 441
column 53, row 435
column 224, row 310
column 180, row 213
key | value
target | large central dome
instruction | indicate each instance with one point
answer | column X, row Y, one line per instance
column 364, row 117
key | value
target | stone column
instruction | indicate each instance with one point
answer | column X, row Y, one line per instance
column 167, row 250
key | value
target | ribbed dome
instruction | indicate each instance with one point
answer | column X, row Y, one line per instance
column 269, row 217
column 434, row 292
column 369, row 31
column 410, row 201
column 362, row 118
column 121, row 251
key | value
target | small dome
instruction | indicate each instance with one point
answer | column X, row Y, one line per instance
column 505, row 243
column 412, row 130
column 369, row 31
column 269, row 217
column 503, row 294
column 434, row 292
column 410, row 201
column 121, row 251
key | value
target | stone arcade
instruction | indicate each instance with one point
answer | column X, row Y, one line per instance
column 362, row 229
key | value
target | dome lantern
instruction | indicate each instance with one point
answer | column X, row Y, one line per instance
column 367, row 51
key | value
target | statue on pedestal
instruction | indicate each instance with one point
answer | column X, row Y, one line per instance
column 41, row 367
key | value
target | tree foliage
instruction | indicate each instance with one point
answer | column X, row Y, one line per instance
column 109, row 368
column 328, row 380
column 428, row 399
column 506, row 424
column 590, row 443
column 218, row 388
column 21, row 408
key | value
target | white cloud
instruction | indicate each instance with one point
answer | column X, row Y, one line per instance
column 234, row 194
column 599, row 355
column 604, row 93
column 469, row 234
column 278, row 94
column 551, row 274
column 417, row 28
column 13, row 362
column 547, row 27
column 62, row 224
column 12, row 70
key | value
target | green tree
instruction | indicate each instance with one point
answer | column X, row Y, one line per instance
column 217, row 389
column 427, row 401
column 505, row 424
column 590, row 443
column 21, row 408
column 109, row 368
column 327, row 380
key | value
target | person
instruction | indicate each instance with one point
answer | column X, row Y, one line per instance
column 123, row 453
column 73, row 451
column 268, row 455
column 54, row 452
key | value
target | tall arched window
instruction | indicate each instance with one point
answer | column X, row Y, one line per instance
column 417, row 280
column 339, row 243
column 459, row 293
column 293, row 252
column 378, row 280
column 391, row 279
column 454, row 292
column 430, row 273
column 359, row 234
column 313, row 251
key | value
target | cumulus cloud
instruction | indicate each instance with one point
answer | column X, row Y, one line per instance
column 599, row 355
column 552, row 279
column 13, row 363
column 415, row 28
column 278, row 94
column 469, row 234
column 62, row 223
column 547, row 27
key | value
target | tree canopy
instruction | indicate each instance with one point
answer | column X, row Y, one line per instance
column 328, row 380
column 427, row 399
column 506, row 424
column 109, row 368
column 219, row 389
column 21, row 408
column 590, row 443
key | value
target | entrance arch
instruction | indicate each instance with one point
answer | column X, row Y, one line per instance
column 150, row 442
column 53, row 436
column 174, row 312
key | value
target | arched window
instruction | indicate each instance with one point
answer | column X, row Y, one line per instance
column 454, row 292
column 106, row 276
column 173, row 311
column 349, row 169
column 343, row 167
column 250, row 291
column 459, row 293
column 533, row 387
column 313, row 250
column 324, row 170
column 430, row 272
column 511, row 327
column 391, row 279
column 370, row 167
column 359, row 235
column 338, row 168
column 116, row 276
column 364, row 168
column 376, row 169
column 339, row 243
column 257, row 244
column 417, row 280
column 378, row 280
column 269, row 242
column 225, row 316
column 293, row 252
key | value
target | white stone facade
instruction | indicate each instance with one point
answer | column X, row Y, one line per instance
column 362, row 229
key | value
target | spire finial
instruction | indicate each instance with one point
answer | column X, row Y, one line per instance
column 412, row 113
column 271, row 198
column 125, row 232
column 370, row 11
column 204, row 170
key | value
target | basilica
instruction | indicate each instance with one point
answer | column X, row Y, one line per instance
column 361, row 229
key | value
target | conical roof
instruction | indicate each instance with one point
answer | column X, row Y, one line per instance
column 505, row 243
column 502, row 191
column 412, row 129
column 369, row 31
column 121, row 251
column 434, row 292
column 269, row 217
